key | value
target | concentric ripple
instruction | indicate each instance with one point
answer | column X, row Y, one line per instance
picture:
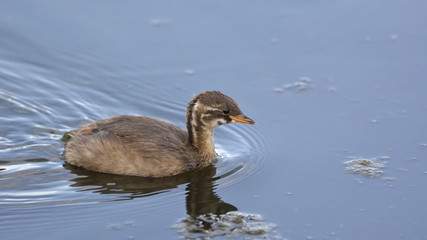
column 243, row 150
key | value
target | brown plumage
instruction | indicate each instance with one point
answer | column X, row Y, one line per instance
column 148, row 147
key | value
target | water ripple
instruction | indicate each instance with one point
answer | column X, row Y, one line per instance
column 31, row 166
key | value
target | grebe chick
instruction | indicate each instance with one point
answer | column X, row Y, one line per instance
column 148, row 147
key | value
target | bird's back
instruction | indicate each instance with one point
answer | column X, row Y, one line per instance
column 131, row 145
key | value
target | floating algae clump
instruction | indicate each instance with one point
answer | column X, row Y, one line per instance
column 367, row 167
column 230, row 225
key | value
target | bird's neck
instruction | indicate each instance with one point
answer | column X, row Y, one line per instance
column 200, row 136
column 202, row 140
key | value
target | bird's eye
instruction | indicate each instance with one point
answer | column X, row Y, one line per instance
column 226, row 112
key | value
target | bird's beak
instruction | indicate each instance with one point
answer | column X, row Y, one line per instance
column 243, row 119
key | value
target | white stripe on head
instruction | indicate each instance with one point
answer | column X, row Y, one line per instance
column 194, row 114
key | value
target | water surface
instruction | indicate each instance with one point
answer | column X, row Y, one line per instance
column 326, row 82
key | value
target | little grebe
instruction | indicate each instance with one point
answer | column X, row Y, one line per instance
column 148, row 147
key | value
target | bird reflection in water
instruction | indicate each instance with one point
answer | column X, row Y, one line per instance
column 200, row 199
column 205, row 209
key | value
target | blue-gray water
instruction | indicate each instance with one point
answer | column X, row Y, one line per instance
column 326, row 81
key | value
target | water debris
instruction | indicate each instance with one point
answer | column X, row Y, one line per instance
column 120, row 226
column 305, row 80
column 394, row 37
column 159, row 22
column 371, row 167
column 129, row 223
column 189, row 72
column 423, row 145
column 274, row 40
column 279, row 90
column 389, row 179
column 367, row 39
column 230, row 225
column 403, row 170
column 299, row 85
column 114, row 226
column 332, row 89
